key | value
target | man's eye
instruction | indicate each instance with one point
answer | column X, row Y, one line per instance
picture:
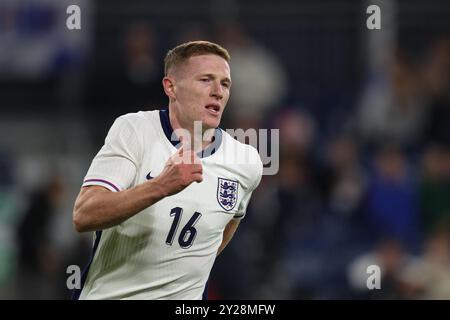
column 226, row 85
column 205, row 79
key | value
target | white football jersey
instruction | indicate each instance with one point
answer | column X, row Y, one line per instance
column 167, row 250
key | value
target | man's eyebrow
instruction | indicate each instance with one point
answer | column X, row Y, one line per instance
column 227, row 80
column 212, row 76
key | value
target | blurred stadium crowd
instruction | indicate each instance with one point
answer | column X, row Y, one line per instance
column 364, row 137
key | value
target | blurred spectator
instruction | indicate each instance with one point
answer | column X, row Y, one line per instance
column 344, row 179
column 393, row 107
column 435, row 187
column 292, row 200
column 39, row 262
column 140, row 70
column 286, row 207
column 298, row 130
column 392, row 201
column 429, row 276
column 298, row 194
column 436, row 80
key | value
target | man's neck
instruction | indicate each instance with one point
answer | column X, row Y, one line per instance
column 198, row 138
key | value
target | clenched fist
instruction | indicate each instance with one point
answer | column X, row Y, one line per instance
column 181, row 169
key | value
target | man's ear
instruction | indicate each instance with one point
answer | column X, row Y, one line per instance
column 169, row 87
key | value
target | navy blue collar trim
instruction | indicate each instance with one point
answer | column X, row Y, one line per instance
column 168, row 131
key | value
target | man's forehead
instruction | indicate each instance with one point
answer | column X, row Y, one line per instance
column 209, row 63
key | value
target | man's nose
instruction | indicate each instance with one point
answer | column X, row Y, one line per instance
column 217, row 91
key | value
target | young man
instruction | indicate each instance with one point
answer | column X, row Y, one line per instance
column 157, row 233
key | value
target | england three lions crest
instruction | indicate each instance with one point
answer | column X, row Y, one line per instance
column 227, row 193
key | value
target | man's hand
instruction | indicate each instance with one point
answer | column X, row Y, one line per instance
column 183, row 168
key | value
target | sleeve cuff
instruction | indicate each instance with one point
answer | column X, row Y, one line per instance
column 101, row 182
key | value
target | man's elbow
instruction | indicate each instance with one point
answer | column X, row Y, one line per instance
column 79, row 221
column 81, row 209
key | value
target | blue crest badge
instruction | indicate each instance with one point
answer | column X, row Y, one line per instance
column 227, row 193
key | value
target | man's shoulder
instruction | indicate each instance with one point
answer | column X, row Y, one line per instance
column 243, row 157
column 239, row 146
column 139, row 125
column 139, row 116
column 138, row 121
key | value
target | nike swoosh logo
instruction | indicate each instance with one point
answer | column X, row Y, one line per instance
column 149, row 177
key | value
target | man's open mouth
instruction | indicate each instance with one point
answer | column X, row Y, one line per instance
column 213, row 108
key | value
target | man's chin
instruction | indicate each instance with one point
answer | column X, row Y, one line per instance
column 210, row 123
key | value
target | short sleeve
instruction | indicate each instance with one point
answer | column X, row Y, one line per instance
column 242, row 209
column 115, row 165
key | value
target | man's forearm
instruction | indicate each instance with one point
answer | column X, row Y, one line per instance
column 97, row 208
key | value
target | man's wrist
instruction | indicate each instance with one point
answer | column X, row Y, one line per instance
column 158, row 188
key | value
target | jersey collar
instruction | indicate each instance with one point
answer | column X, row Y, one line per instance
column 168, row 131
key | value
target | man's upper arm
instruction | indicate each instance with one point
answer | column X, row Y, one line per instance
column 232, row 225
column 228, row 233
column 230, row 229
column 115, row 165
column 87, row 192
